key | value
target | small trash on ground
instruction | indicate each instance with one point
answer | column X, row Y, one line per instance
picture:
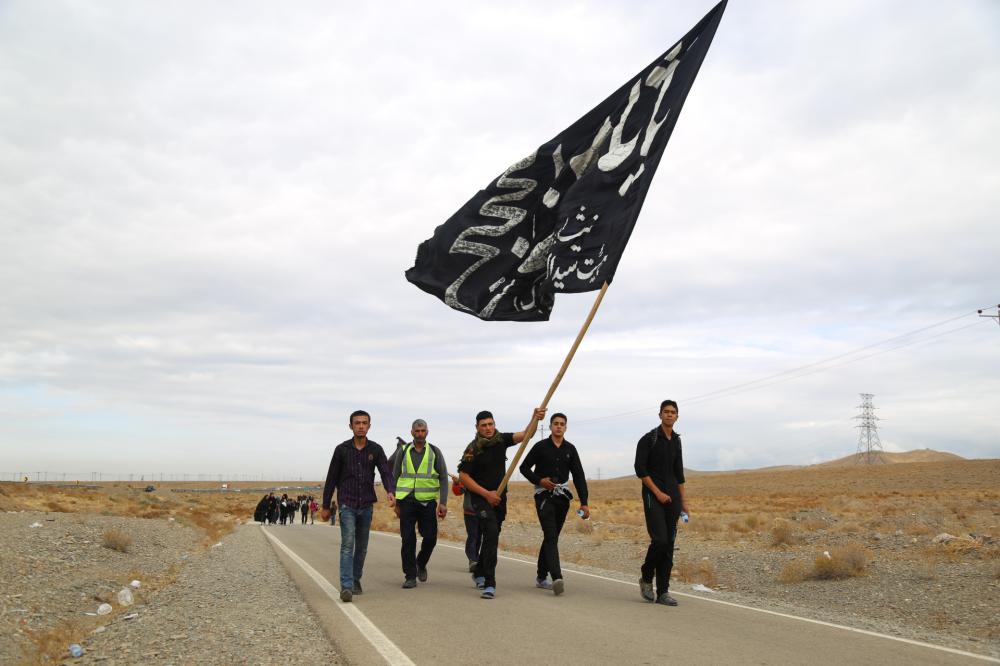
column 702, row 588
column 944, row 537
column 75, row 650
column 135, row 585
column 35, row 524
column 104, row 609
column 99, row 630
column 130, row 616
column 125, row 597
column 217, row 545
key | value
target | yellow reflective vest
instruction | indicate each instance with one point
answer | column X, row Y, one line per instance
column 423, row 482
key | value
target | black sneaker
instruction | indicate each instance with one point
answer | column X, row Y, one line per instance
column 666, row 600
column 409, row 583
column 646, row 590
column 345, row 595
column 422, row 574
column 357, row 587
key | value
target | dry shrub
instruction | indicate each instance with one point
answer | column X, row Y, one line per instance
column 209, row 521
column 738, row 527
column 782, row 534
column 926, row 570
column 51, row 645
column 850, row 527
column 844, row 562
column 794, row 572
column 115, row 539
column 705, row 525
column 706, row 573
column 701, row 571
column 752, row 522
column 813, row 524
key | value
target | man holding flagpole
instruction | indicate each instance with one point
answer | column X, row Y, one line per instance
column 481, row 472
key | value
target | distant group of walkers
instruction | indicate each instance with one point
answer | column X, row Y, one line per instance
column 415, row 479
column 283, row 510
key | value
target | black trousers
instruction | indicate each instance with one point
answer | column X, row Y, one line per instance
column 490, row 522
column 473, row 538
column 414, row 516
column 551, row 510
column 661, row 524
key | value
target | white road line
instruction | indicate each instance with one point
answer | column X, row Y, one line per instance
column 865, row 632
column 385, row 647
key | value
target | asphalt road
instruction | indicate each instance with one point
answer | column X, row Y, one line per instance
column 597, row 621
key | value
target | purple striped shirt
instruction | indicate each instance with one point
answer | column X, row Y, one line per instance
column 352, row 475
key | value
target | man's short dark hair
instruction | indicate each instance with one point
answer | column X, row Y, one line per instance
column 558, row 415
column 483, row 415
column 359, row 412
column 669, row 403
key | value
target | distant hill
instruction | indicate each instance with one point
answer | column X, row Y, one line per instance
column 917, row 456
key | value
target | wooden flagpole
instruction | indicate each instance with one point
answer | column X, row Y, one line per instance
column 529, row 432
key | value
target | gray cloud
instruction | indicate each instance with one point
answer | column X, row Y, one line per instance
column 205, row 216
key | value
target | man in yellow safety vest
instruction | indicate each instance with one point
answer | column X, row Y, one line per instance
column 421, row 499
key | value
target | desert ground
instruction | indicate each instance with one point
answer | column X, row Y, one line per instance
column 909, row 549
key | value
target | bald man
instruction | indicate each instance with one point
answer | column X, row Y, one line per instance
column 421, row 499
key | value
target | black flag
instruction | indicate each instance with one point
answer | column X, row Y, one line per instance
column 558, row 220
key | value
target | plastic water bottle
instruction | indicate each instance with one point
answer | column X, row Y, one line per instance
column 75, row 650
column 684, row 516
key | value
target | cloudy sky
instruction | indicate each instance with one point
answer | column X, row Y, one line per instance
column 206, row 212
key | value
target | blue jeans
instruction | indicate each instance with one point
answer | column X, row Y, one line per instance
column 355, row 523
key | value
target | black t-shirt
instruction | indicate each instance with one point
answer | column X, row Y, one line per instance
column 662, row 460
column 487, row 468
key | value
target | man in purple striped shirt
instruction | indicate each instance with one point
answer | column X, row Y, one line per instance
column 352, row 474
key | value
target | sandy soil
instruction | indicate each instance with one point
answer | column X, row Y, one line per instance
column 758, row 537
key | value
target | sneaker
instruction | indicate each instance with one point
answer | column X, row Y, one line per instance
column 666, row 600
column 472, row 566
column 646, row 590
column 346, row 595
column 422, row 574
column 488, row 593
column 357, row 588
column 480, row 581
column 409, row 583
column 543, row 583
column 557, row 586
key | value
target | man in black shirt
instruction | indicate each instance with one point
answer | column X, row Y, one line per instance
column 660, row 465
column 481, row 471
column 548, row 465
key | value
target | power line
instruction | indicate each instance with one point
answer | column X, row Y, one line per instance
column 809, row 368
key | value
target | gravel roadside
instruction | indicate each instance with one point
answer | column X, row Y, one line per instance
column 233, row 603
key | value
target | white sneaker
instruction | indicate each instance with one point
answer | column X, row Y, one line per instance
column 543, row 583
